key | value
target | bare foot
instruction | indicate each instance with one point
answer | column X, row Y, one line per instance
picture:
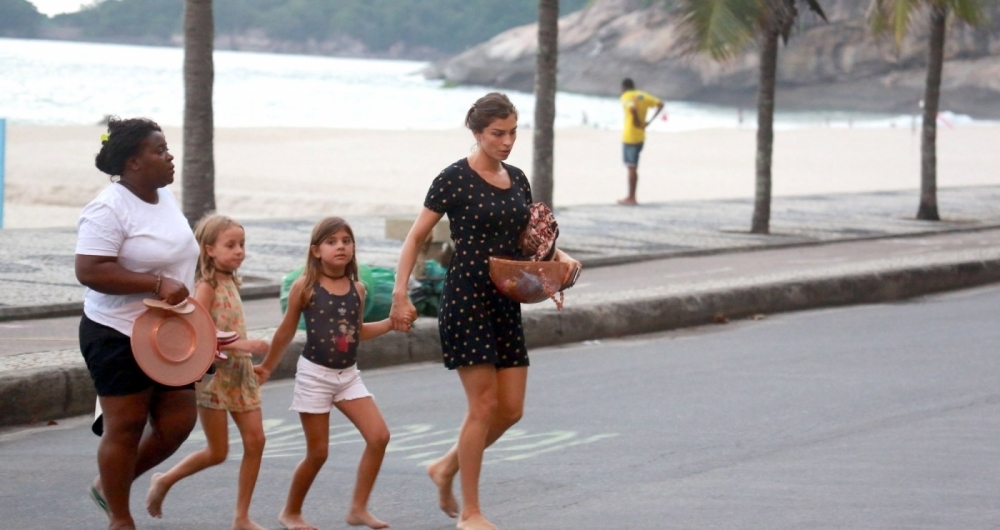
column 154, row 497
column 364, row 517
column 627, row 201
column 475, row 522
column 246, row 524
column 294, row 522
column 442, row 479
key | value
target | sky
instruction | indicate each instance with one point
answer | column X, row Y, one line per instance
column 54, row 7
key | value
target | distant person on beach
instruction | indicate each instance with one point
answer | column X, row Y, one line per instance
column 133, row 243
column 233, row 390
column 332, row 299
column 488, row 204
column 636, row 104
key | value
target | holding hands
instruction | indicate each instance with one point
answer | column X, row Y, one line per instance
column 403, row 313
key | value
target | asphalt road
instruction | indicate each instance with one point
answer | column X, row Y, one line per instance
column 877, row 417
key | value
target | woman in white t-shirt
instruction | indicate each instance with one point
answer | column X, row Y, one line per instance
column 133, row 243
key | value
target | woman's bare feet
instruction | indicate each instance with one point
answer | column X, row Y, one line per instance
column 246, row 524
column 363, row 517
column 475, row 522
column 154, row 497
column 443, row 479
column 627, row 201
column 294, row 522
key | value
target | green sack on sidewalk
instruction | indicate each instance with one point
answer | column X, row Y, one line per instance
column 427, row 297
column 378, row 298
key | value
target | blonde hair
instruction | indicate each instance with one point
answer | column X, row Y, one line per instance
column 207, row 232
column 314, row 267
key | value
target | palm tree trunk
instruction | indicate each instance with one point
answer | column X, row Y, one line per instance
column 545, row 100
column 928, row 210
column 765, row 132
column 198, row 173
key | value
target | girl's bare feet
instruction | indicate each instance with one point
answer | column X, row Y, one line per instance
column 365, row 518
column 475, row 522
column 443, row 480
column 157, row 492
column 246, row 524
column 294, row 522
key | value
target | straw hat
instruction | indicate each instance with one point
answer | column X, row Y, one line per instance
column 174, row 345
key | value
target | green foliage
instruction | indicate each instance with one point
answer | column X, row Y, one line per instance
column 897, row 16
column 445, row 25
column 725, row 28
column 127, row 18
column 19, row 18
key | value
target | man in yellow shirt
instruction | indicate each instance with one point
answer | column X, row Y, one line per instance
column 636, row 103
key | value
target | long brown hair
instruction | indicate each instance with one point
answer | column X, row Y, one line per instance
column 207, row 232
column 314, row 267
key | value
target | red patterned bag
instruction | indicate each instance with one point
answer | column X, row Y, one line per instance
column 538, row 240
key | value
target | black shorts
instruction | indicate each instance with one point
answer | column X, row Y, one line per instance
column 108, row 354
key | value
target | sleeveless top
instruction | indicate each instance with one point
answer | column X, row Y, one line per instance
column 227, row 309
column 333, row 327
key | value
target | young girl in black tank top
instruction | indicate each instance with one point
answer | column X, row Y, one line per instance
column 331, row 298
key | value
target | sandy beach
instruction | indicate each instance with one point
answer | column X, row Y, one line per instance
column 287, row 172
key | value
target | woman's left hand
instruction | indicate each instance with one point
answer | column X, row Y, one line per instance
column 563, row 257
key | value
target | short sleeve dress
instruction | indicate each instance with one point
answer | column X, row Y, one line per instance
column 476, row 323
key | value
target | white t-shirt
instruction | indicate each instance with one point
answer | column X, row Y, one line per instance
column 149, row 238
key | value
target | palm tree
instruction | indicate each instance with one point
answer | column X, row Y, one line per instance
column 724, row 29
column 198, row 172
column 545, row 100
column 896, row 17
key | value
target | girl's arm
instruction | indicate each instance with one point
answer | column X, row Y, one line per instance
column 403, row 312
column 370, row 330
column 284, row 334
column 205, row 295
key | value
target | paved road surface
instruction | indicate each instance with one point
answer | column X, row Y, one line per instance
column 867, row 417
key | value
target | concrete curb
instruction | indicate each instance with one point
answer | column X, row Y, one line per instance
column 272, row 290
column 42, row 394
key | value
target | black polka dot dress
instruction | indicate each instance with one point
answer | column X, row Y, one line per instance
column 477, row 324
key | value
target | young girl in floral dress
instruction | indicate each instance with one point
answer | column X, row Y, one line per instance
column 234, row 387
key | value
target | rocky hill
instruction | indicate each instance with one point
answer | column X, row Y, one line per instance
column 825, row 66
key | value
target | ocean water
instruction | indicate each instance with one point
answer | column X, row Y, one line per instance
column 56, row 82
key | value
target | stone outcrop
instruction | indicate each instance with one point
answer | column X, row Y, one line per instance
column 825, row 66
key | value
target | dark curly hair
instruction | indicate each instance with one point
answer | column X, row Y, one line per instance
column 490, row 107
column 124, row 139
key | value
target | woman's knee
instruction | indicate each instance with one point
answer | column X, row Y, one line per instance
column 484, row 409
column 509, row 415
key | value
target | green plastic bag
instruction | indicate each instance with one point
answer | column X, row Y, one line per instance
column 365, row 274
column 378, row 296
column 286, row 286
column 427, row 297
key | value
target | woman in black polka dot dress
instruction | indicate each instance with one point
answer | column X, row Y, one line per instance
column 487, row 203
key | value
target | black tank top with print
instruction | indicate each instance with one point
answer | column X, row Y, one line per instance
column 333, row 328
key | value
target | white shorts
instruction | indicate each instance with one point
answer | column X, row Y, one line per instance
column 317, row 387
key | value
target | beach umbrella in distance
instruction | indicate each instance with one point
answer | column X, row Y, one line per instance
column 546, row 59
column 724, row 29
column 198, row 171
column 897, row 17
